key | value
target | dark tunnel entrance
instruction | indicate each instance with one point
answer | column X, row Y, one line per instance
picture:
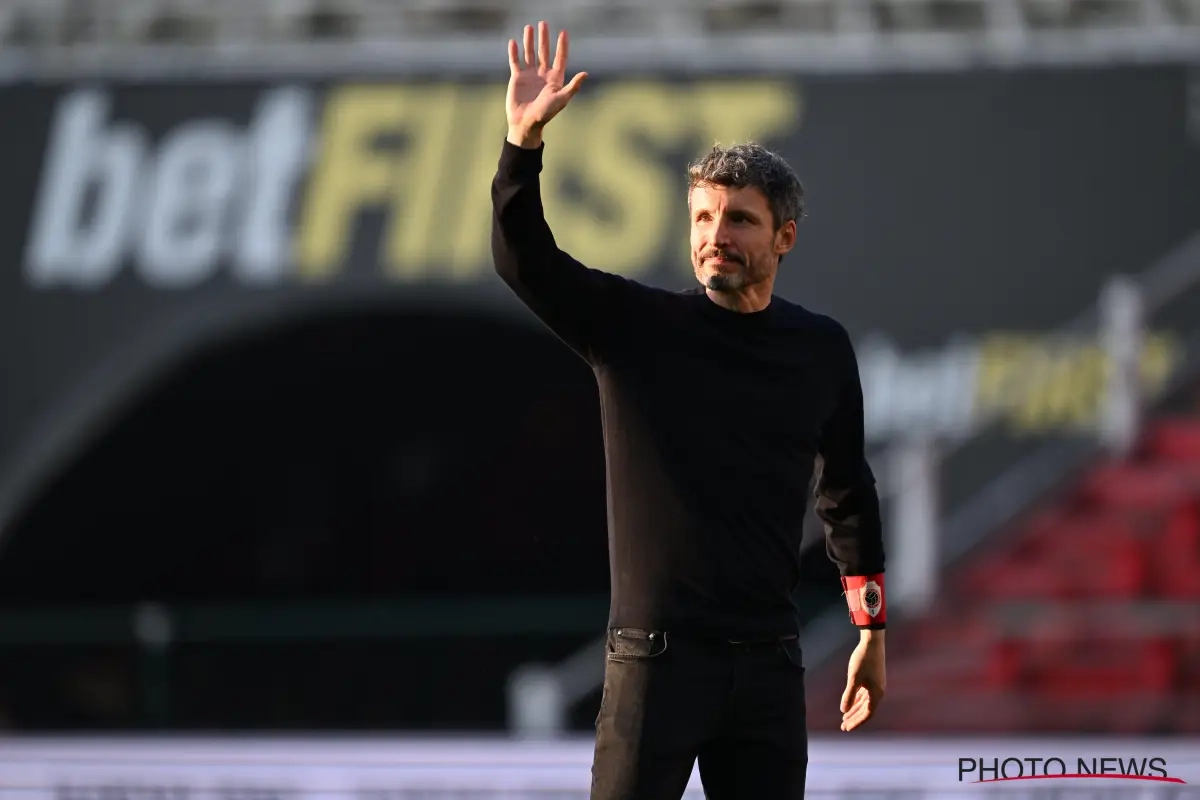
column 297, row 501
column 357, row 458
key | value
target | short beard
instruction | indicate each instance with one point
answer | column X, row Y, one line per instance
column 725, row 283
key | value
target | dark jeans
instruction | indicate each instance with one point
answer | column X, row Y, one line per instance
column 669, row 702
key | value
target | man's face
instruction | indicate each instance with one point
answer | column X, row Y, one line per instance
column 734, row 241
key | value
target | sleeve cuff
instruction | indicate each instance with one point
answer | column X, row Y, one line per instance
column 866, row 600
column 519, row 162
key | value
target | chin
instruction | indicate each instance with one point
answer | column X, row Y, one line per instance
column 723, row 283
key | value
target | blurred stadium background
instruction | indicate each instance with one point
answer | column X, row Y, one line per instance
column 296, row 499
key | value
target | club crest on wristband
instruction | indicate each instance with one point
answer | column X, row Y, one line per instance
column 872, row 598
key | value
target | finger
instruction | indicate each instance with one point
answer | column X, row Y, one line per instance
column 849, row 722
column 571, row 88
column 529, row 52
column 857, row 719
column 560, row 53
column 514, row 64
column 859, row 713
column 543, row 45
column 853, row 709
column 874, row 692
column 847, row 697
column 862, row 710
column 857, row 701
column 863, row 714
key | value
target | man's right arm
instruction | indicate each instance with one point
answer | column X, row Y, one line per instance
column 580, row 305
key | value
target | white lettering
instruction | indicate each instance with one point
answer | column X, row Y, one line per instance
column 190, row 190
column 929, row 393
column 277, row 154
column 208, row 195
column 64, row 247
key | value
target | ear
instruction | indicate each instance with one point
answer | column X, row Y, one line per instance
column 785, row 238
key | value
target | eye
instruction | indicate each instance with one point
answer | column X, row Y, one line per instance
column 703, row 216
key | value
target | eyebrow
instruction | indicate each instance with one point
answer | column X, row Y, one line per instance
column 733, row 211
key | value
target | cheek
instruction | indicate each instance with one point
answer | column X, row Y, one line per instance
column 758, row 250
column 748, row 245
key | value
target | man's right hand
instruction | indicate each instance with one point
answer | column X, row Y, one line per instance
column 537, row 88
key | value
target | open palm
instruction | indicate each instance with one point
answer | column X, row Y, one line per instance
column 537, row 88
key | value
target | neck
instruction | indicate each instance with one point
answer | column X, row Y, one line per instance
column 746, row 300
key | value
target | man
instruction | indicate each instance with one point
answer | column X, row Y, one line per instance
column 717, row 403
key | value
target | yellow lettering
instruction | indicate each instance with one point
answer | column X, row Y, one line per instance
column 1160, row 356
column 621, row 221
column 628, row 204
column 608, row 189
column 1088, row 384
column 1072, row 399
column 1051, row 383
column 997, row 383
column 483, row 120
column 729, row 112
column 351, row 172
column 1045, row 383
column 1034, row 409
column 419, row 235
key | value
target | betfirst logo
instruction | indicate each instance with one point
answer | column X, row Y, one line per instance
column 393, row 177
column 1031, row 383
column 997, row 770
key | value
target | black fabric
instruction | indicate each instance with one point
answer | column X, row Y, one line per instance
column 713, row 422
column 735, row 711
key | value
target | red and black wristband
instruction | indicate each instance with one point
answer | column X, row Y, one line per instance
column 866, row 600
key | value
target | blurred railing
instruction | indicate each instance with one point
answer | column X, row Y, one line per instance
column 221, row 23
column 154, row 632
column 922, row 537
column 155, row 35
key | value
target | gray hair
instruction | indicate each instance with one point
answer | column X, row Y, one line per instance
column 752, row 165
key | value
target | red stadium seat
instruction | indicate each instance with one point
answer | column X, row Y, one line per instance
column 1004, row 665
column 1176, row 440
column 1182, row 534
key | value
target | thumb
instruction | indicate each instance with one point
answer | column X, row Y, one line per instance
column 571, row 88
column 848, row 696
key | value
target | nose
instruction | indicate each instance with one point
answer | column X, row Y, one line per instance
column 720, row 233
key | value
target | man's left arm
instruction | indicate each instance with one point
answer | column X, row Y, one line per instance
column 847, row 502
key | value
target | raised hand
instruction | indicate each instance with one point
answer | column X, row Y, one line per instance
column 537, row 88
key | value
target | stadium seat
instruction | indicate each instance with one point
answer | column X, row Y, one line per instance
column 1182, row 531
column 1121, row 571
column 1004, row 666
column 1144, row 486
column 1173, row 440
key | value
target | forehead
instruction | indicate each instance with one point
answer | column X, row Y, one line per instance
column 711, row 197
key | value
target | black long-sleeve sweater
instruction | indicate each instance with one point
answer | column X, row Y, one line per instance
column 713, row 420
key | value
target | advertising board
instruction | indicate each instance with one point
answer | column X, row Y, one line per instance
column 397, row 768
column 954, row 220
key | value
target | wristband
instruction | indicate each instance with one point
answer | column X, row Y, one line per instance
column 866, row 600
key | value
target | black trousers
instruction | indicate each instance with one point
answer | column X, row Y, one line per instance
column 670, row 702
